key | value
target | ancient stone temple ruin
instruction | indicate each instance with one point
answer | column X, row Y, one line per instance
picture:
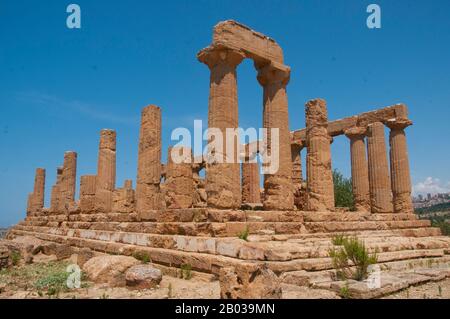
column 177, row 217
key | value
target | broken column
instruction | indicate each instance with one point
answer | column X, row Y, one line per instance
column 320, row 189
column 400, row 174
column 68, row 180
column 124, row 198
column 179, row 178
column 297, row 175
column 55, row 198
column 87, row 193
column 379, row 181
column 278, row 187
column 360, row 173
column 250, row 178
column 106, row 170
column 148, row 194
column 36, row 199
column 223, row 182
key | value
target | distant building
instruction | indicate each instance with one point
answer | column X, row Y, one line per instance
column 429, row 196
column 420, row 197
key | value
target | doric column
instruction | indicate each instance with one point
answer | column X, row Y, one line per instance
column 124, row 198
column 179, row 178
column 223, row 183
column 278, row 187
column 106, row 170
column 360, row 172
column 68, row 180
column 320, row 189
column 250, row 178
column 148, row 194
column 379, row 181
column 400, row 175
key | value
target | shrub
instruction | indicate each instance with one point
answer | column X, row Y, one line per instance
column 144, row 257
column 15, row 257
column 353, row 253
column 343, row 193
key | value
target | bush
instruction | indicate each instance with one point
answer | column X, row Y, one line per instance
column 15, row 257
column 144, row 257
column 343, row 193
column 353, row 253
column 244, row 234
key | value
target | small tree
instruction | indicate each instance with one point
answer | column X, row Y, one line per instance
column 343, row 193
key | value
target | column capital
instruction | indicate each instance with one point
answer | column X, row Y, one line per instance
column 355, row 132
column 398, row 123
column 273, row 73
column 215, row 55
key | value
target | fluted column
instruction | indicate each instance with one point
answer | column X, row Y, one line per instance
column 223, row 182
column 55, row 199
column 179, row 178
column 250, row 178
column 36, row 198
column 360, row 171
column 400, row 174
column 87, row 193
column 379, row 180
column 320, row 188
column 297, row 173
column 148, row 193
column 278, row 187
column 106, row 170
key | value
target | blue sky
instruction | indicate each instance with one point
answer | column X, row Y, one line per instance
column 59, row 86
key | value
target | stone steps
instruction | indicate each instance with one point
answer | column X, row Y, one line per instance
column 292, row 250
column 233, row 229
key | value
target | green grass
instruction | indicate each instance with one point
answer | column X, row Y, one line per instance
column 186, row 271
column 15, row 257
column 338, row 240
column 144, row 257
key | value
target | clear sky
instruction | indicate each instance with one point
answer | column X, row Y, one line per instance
column 60, row 86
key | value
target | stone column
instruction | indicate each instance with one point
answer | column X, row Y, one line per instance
column 124, row 198
column 148, row 193
column 39, row 189
column 278, row 187
column 223, row 180
column 320, row 189
column 55, row 199
column 250, row 179
column 106, row 170
column 379, row 181
column 400, row 175
column 360, row 172
column 179, row 178
column 68, row 180
column 87, row 193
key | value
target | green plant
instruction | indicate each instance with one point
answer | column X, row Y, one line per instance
column 144, row 257
column 344, row 292
column 244, row 234
column 15, row 257
column 54, row 282
column 343, row 193
column 352, row 254
column 440, row 291
column 186, row 271
column 338, row 240
column 104, row 296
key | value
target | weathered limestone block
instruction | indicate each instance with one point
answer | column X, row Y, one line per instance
column 179, row 184
column 87, row 193
column 318, row 160
column 109, row 269
column 240, row 37
column 379, row 180
column 250, row 179
column 278, row 187
column 249, row 281
column 400, row 174
column 143, row 277
column 223, row 180
column 124, row 199
column 360, row 172
column 148, row 194
column 106, row 171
